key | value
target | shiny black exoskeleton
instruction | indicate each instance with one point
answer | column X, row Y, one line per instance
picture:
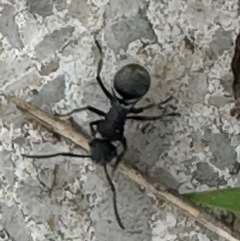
column 131, row 83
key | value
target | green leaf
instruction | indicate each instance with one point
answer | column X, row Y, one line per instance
column 228, row 199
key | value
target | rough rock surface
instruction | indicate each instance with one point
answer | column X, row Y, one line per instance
column 48, row 56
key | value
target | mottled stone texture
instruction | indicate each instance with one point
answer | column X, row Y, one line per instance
column 43, row 8
column 50, row 93
column 8, row 26
column 53, row 42
column 48, row 57
column 127, row 24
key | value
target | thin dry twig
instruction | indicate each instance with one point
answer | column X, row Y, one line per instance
column 80, row 140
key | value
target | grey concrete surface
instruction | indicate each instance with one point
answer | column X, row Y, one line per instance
column 48, row 56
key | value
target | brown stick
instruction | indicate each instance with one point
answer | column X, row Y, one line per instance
column 77, row 138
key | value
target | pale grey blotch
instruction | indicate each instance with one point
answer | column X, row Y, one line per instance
column 50, row 93
column 43, row 7
column 224, row 155
column 9, row 28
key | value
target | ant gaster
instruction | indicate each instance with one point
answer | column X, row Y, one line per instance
column 235, row 67
column 131, row 83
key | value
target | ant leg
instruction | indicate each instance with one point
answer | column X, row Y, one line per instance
column 90, row 108
column 98, row 78
column 68, row 154
column 150, row 118
column 114, row 197
column 104, row 89
column 165, row 101
column 141, row 109
column 120, row 156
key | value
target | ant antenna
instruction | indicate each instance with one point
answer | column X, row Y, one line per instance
column 114, row 197
column 56, row 154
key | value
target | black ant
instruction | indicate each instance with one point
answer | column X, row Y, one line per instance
column 131, row 83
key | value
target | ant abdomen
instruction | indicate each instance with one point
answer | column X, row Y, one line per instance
column 132, row 81
column 102, row 151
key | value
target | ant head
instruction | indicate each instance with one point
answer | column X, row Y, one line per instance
column 102, row 151
column 132, row 82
